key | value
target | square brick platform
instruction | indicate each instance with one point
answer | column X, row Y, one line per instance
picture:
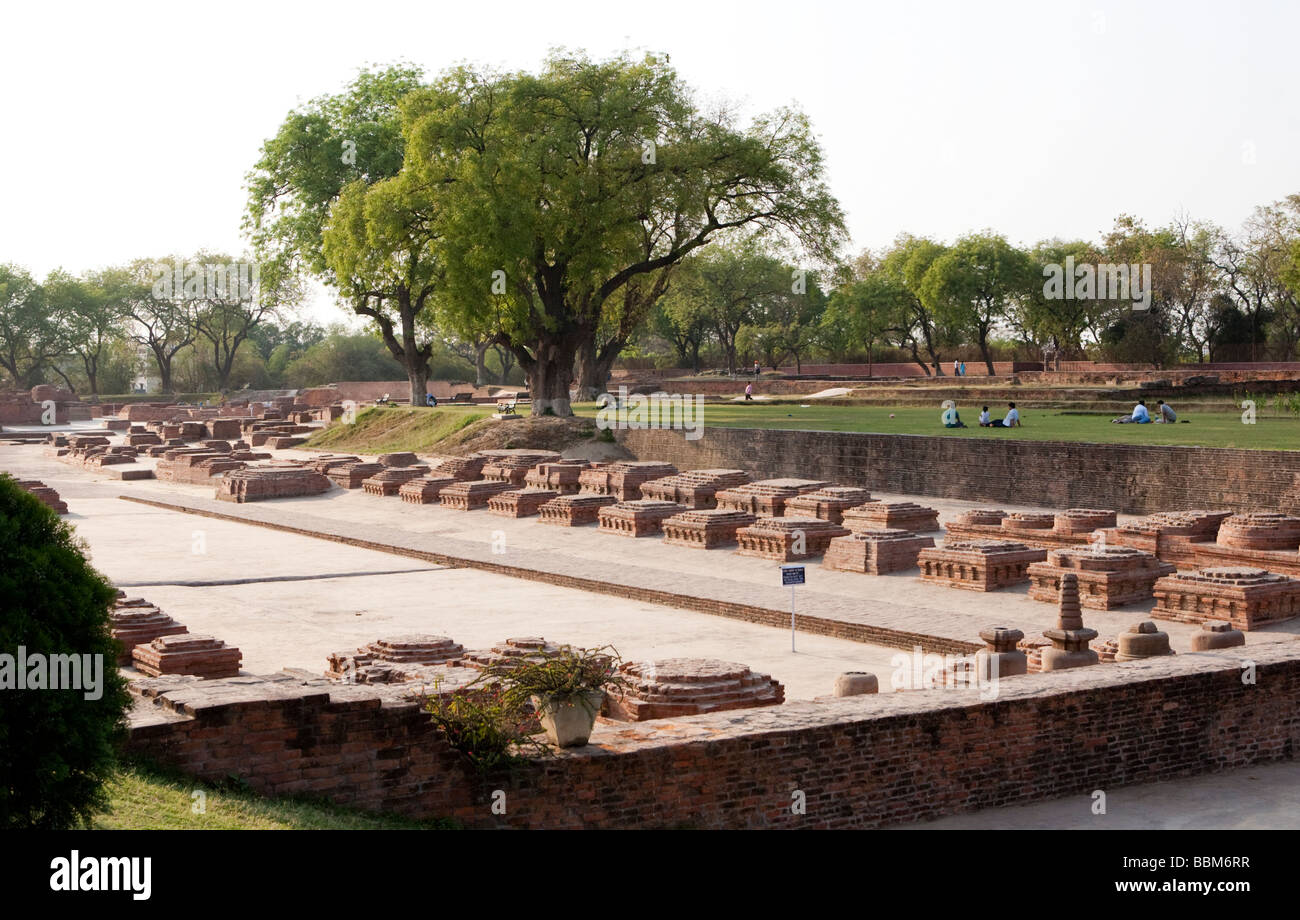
column 876, row 552
column 424, row 490
column 641, row 518
column 352, row 475
column 829, row 503
column 696, row 489
column 706, row 529
column 1247, row 598
column 390, row 479
column 201, row 656
column 767, row 497
column 466, row 496
column 520, row 502
column 978, row 565
column 779, row 538
column 892, row 516
column 574, row 510
column 624, row 478
column 1108, row 577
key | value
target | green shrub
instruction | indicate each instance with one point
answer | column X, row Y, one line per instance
column 57, row 748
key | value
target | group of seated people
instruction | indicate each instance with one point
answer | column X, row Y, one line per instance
column 1141, row 416
column 952, row 419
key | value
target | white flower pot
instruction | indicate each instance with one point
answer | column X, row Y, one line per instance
column 569, row 722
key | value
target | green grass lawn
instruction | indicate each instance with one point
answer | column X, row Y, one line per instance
column 1203, row 429
column 397, row 428
column 144, row 799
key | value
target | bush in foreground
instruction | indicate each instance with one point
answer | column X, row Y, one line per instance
column 57, row 746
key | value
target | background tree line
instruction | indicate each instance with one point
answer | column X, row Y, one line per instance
column 98, row 332
column 544, row 226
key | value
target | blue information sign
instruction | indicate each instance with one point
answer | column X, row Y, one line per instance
column 792, row 575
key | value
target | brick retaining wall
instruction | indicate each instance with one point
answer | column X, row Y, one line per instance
column 1130, row 479
column 860, row 761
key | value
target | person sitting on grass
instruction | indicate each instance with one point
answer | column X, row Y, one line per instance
column 1166, row 413
column 1140, row 415
column 1010, row 420
column 952, row 418
column 985, row 421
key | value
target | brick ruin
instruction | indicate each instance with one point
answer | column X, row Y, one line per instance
column 560, row 476
column 512, row 465
column 696, row 489
column 828, row 503
column 891, row 516
column 1246, row 598
column 390, row 479
column 1217, row 634
column 643, row 517
column 624, row 478
column 393, row 660
column 787, row 539
column 135, row 621
column 876, row 552
column 186, row 653
column 765, row 498
column 352, row 475
column 978, row 565
column 466, row 496
column 1169, row 536
column 510, row 652
column 462, row 469
column 705, row 529
column 1108, row 577
column 1262, row 540
column 574, row 510
column 676, row 687
column 426, row 489
column 260, row 483
column 1072, row 527
column 44, row 494
column 519, row 503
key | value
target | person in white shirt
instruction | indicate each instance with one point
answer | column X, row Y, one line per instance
column 1011, row 419
column 985, row 421
column 1139, row 416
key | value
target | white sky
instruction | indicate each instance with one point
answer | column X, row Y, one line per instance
column 128, row 127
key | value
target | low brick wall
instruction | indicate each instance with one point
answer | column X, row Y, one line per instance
column 859, row 761
column 1131, row 479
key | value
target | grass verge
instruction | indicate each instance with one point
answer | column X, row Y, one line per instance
column 144, row 797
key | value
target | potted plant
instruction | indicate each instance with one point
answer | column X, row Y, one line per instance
column 566, row 690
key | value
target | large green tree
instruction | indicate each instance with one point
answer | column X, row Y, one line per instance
column 381, row 242
column 324, row 158
column 920, row 327
column 974, row 284
column 569, row 191
column 89, row 318
column 29, row 340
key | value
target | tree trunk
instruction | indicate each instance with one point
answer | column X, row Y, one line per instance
column 164, row 371
column 419, row 378
column 590, row 383
column 550, row 375
column 480, row 364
